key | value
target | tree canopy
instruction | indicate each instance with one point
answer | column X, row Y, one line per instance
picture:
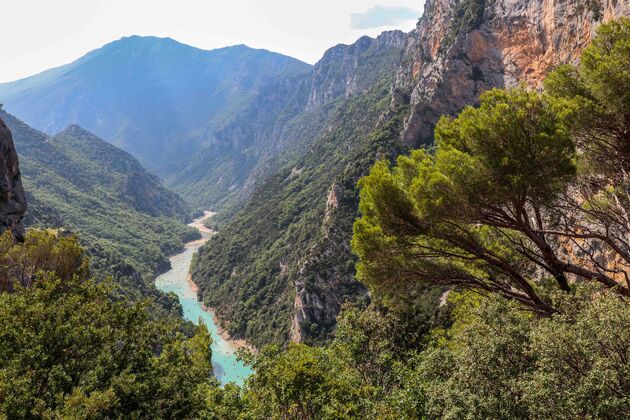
column 67, row 350
column 498, row 207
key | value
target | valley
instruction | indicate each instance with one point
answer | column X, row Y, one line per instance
column 423, row 224
column 177, row 280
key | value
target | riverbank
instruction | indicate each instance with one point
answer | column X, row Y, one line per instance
column 237, row 343
column 179, row 281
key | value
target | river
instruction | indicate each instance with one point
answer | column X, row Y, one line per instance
column 226, row 366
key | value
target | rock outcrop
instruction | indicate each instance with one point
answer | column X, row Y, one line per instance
column 461, row 48
column 12, row 196
column 346, row 70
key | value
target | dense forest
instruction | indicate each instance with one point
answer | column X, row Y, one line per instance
column 515, row 221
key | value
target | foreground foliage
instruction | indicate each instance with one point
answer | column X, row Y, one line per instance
column 495, row 361
column 68, row 351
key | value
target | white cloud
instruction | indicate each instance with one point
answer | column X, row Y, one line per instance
column 381, row 16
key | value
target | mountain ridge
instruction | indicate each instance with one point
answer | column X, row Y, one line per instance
column 150, row 96
column 128, row 223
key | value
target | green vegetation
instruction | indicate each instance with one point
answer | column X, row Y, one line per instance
column 468, row 15
column 128, row 223
column 500, row 362
column 495, row 361
column 287, row 224
column 478, row 212
column 497, row 264
column 68, row 351
column 524, row 195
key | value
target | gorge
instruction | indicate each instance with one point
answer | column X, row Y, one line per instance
column 370, row 224
column 177, row 280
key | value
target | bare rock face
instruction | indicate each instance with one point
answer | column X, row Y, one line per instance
column 12, row 196
column 461, row 48
column 346, row 70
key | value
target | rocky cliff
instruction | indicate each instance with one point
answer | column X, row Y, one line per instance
column 287, row 252
column 461, row 48
column 345, row 70
column 12, row 198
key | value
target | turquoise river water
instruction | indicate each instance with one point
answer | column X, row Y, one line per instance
column 226, row 366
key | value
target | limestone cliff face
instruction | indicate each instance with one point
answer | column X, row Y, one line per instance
column 460, row 48
column 12, row 196
column 346, row 70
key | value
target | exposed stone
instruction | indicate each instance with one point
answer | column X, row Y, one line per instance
column 332, row 201
column 517, row 41
column 12, row 196
column 346, row 70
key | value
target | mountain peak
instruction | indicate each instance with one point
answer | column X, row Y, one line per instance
column 75, row 130
column 143, row 92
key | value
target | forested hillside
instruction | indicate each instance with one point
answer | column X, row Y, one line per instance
column 71, row 348
column 458, row 51
column 283, row 262
column 127, row 221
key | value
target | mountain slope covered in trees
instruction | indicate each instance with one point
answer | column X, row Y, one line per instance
column 288, row 246
column 128, row 222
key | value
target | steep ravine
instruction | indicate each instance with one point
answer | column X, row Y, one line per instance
column 296, row 260
column 177, row 280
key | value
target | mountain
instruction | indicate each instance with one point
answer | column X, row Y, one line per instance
column 281, row 268
column 279, row 120
column 462, row 48
column 156, row 98
column 127, row 221
column 13, row 202
column 123, row 175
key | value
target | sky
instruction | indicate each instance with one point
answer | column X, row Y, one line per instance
column 39, row 34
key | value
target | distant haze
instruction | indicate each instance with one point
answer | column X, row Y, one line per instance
column 40, row 34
